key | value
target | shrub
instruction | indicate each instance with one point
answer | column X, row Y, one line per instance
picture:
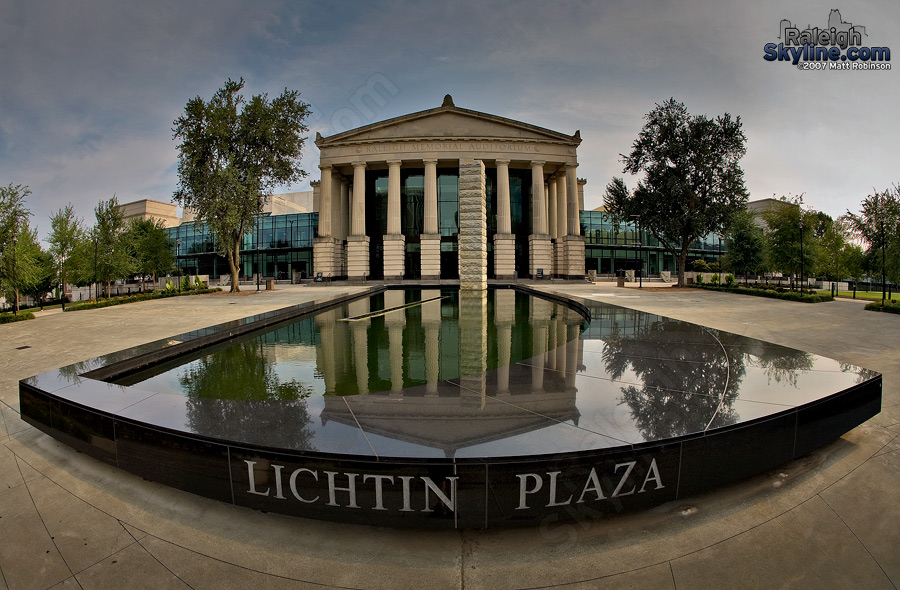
column 889, row 307
column 714, row 279
column 186, row 283
column 135, row 298
column 699, row 279
column 700, row 265
column 729, row 280
column 8, row 318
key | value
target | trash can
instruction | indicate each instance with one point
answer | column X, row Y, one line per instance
column 620, row 279
column 270, row 284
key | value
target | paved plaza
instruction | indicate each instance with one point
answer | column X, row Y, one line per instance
column 828, row 520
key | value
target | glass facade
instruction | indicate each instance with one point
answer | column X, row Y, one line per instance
column 610, row 248
column 277, row 246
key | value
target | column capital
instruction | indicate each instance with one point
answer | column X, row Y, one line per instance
column 359, row 164
column 538, row 162
column 394, row 162
column 429, row 160
column 324, row 167
column 502, row 161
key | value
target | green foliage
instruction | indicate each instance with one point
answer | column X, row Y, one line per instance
column 135, row 298
column 729, row 280
column 888, row 307
column 699, row 279
column 149, row 246
column 67, row 239
column 22, row 268
column 714, row 280
column 878, row 225
column 112, row 259
column 8, row 318
column 787, row 237
column 745, row 244
column 233, row 152
column 700, row 265
column 186, row 283
column 772, row 293
column 692, row 184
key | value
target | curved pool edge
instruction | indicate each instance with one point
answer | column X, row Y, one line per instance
column 438, row 493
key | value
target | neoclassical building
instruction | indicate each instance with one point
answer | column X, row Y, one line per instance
column 449, row 193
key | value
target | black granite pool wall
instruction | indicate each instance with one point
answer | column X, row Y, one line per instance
column 446, row 493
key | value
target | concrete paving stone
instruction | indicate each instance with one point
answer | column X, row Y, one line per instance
column 67, row 584
column 11, row 422
column 131, row 568
column 776, row 519
column 808, row 547
column 83, row 534
column 9, row 472
column 28, row 557
column 657, row 577
column 863, row 498
column 201, row 572
column 137, row 533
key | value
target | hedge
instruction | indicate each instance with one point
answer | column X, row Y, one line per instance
column 8, row 318
column 135, row 298
column 771, row 293
column 887, row 307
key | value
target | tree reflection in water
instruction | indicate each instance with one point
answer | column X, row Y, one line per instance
column 237, row 394
column 687, row 383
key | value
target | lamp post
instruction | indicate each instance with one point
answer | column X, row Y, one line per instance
column 801, row 250
column 177, row 263
column 15, row 276
column 62, row 276
column 96, row 284
column 640, row 241
column 291, row 253
column 258, row 252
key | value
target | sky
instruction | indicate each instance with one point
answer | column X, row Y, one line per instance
column 89, row 90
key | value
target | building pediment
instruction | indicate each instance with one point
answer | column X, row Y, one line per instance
column 447, row 121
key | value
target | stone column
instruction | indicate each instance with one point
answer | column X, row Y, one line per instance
column 394, row 241
column 554, row 229
column 574, row 241
column 504, row 240
column 344, row 223
column 472, row 226
column 562, row 200
column 540, row 249
column 430, row 240
column 539, row 318
column 323, row 245
column 358, row 241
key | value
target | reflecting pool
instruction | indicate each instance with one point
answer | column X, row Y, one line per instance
column 442, row 408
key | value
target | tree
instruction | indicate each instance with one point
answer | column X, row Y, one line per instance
column 745, row 244
column 13, row 218
column 21, row 268
column 692, row 184
column 112, row 260
column 790, row 242
column 66, row 233
column 878, row 224
column 43, row 275
column 149, row 246
column 232, row 154
column 834, row 251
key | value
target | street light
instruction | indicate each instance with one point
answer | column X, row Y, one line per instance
column 640, row 241
column 258, row 251
column 291, row 253
column 801, row 250
column 15, row 277
column 177, row 263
